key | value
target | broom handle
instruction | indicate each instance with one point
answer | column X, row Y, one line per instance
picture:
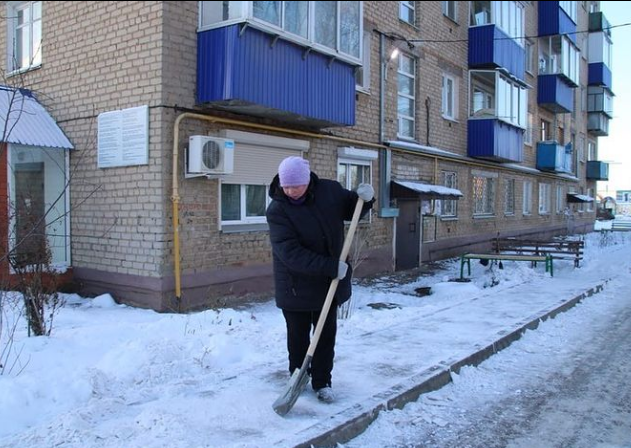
column 329, row 296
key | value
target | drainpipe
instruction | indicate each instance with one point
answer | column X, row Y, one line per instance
column 175, row 196
column 385, row 155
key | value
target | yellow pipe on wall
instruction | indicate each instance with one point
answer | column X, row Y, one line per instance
column 175, row 196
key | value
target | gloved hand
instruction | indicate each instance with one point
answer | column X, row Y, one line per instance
column 341, row 270
column 366, row 192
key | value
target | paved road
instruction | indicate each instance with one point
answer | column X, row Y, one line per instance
column 556, row 390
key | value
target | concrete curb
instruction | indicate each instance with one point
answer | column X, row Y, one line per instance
column 352, row 421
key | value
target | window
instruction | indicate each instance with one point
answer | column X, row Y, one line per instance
column 351, row 173
column 590, row 205
column 362, row 73
column 530, row 55
column 354, row 166
column 559, row 56
column 507, row 15
column 559, row 199
column 527, row 198
column 243, row 194
column 449, row 208
column 494, row 95
column 449, row 10
column 336, row 27
column 406, row 96
column 591, row 151
column 581, row 149
column 406, row 12
column 544, row 199
column 25, row 25
column 599, row 99
column 570, row 9
column 39, row 205
column 509, row 197
column 243, row 203
column 483, row 196
column 450, row 97
column 529, row 130
column 546, row 130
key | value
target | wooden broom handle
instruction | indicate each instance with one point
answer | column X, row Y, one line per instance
column 333, row 287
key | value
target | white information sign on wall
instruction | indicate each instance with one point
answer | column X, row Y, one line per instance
column 123, row 137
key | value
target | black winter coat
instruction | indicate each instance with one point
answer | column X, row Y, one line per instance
column 307, row 240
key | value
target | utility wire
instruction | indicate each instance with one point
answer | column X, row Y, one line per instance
column 397, row 36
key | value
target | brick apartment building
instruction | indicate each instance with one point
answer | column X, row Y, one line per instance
column 168, row 120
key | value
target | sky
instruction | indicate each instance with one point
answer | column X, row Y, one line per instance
column 113, row 376
column 614, row 148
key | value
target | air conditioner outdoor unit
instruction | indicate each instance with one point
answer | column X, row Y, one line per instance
column 209, row 155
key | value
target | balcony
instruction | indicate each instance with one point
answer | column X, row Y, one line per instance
column 554, row 158
column 247, row 71
column 490, row 47
column 554, row 94
column 553, row 20
column 495, row 140
column 597, row 170
column 598, row 124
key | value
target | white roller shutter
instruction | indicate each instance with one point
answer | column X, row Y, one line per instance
column 257, row 156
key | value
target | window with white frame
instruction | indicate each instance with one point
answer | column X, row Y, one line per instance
column 450, row 97
column 406, row 96
column 560, row 204
column 509, row 197
column 506, row 15
column 559, row 56
column 529, row 130
column 530, row 56
column 449, row 207
column 243, row 203
column 483, row 195
column 581, row 149
column 39, row 206
column 494, row 95
column 590, row 205
column 362, row 73
column 526, row 204
column 407, row 12
column 449, row 10
column 591, row 151
column 354, row 166
column 24, row 49
column 334, row 27
column 544, row 199
column 244, row 193
column 570, row 9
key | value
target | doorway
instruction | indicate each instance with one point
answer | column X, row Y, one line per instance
column 408, row 238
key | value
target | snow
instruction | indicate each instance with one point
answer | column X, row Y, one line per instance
column 115, row 376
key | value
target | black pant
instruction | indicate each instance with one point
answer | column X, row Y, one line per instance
column 298, row 338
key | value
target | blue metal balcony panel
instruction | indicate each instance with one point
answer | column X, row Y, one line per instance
column 490, row 47
column 553, row 157
column 273, row 76
column 495, row 140
column 597, row 170
column 599, row 75
column 554, row 20
column 554, row 94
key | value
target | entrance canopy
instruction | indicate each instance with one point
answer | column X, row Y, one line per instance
column 24, row 121
column 575, row 198
column 413, row 190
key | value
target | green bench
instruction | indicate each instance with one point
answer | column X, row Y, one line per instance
column 466, row 258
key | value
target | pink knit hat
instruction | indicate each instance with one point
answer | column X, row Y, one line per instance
column 294, row 171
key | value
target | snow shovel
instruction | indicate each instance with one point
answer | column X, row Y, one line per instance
column 300, row 378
